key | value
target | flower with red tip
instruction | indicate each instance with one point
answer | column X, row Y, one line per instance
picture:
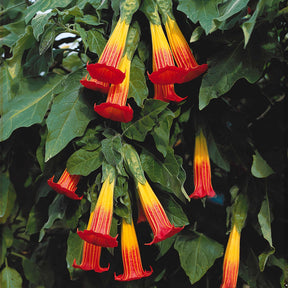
column 231, row 260
column 131, row 257
column 182, row 52
column 155, row 214
column 166, row 93
column 115, row 106
column 165, row 71
column 66, row 185
column 95, row 84
column 98, row 232
column 90, row 256
column 106, row 70
column 201, row 168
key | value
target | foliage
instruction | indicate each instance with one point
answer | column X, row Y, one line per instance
column 47, row 123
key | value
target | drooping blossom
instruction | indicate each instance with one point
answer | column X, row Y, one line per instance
column 66, row 185
column 131, row 257
column 166, row 93
column 202, row 169
column 231, row 260
column 98, row 231
column 155, row 214
column 95, row 84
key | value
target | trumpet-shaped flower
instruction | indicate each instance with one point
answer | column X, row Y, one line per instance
column 182, row 52
column 90, row 256
column 131, row 257
column 155, row 214
column 164, row 69
column 231, row 260
column 115, row 106
column 66, row 185
column 98, row 231
column 106, row 69
column 202, row 169
column 166, row 93
column 95, row 84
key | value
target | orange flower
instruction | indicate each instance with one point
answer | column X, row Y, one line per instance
column 106, row 69
column 90, row 256
column 98, row 231
column 231, row 260
column 67, row 185
column 131, row 257
column 115, row 106
column 95, row 84
column 202, row 170
column 155, row 214
column 182, row 52
column 166, row 93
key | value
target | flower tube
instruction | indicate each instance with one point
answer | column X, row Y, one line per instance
column 131, row 257
column 155, row 214
column 98, row 231
column 66, row 185
column 202, row 170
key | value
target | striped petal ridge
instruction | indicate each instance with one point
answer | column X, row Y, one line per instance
column 106, row 69
column 202, row 169
column 97, row 232
column 95, row 84
column 66, row 185
column 182, row 52
column 131, row 257
column 155, row 214
column 164, row 69
column 231, row 260
column 166, row 93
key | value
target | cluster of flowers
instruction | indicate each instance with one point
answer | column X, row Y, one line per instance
column 111, row 75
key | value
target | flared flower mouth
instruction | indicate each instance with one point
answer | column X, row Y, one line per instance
column 95, row 84
column 155, row 214
column 168, row 75
column 66, row 185
column 131, row 257
column 166, row 93
column 98, row 239
column 115, row 112
column 194, row 72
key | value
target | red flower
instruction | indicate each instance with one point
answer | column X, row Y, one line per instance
column 182, row 52
column 67, row 185
column 106, row 69
column 231, row 260
column 166, row 93
column 115, row 106
column 155, row 214
column 95, row 84
column 132, row 263
column 101, row 218
column 202, row 170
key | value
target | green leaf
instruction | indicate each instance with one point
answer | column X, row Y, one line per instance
column 32, row 271
column 202, row 11
column 10, row 278
column 4, row 188
column 137, row 129
column 84, row 162
column 68, row 118
column 197, row 254
column 13, row 32
column 283, row 265
column 30, row 105
column 137, row 86
column 233, row 62
column 47, row 39
column 111, row 149
column 165, row 172
column 6, row 241
column 260, row 168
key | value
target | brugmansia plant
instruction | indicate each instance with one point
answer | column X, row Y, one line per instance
column 143, row 143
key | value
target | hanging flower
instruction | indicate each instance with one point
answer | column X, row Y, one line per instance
column 231, row 260
column 202, row 170
column 106, row 69
column 98, row 231
column 155, row 214
column 182, row 52
column 67, row 185
column 166, row 93
column 131, row 257
column 90, row 256
column 95, row 84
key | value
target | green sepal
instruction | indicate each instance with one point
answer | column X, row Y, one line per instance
column 133, row 164
column 149, row 8
column 239, row 211
column 108, row 171
column 132, row 41
column 166, row 9
column 128, row 8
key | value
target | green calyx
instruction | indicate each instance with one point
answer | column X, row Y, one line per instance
column 132, row 41
column 150, row 9
column 128, row 8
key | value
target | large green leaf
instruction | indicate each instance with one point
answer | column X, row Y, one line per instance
column 30, row 106
column 68, row 118
column 10, row 278
column 203, row 11
column 260, row 167
column 137, row 129
column 233, row 62
column 6, row 241
column 197, row 253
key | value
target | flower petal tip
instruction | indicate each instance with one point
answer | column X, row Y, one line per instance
column 194, row 72
column 87, row 267
column 168, row 75
column 133, row 276
column 95, row 85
